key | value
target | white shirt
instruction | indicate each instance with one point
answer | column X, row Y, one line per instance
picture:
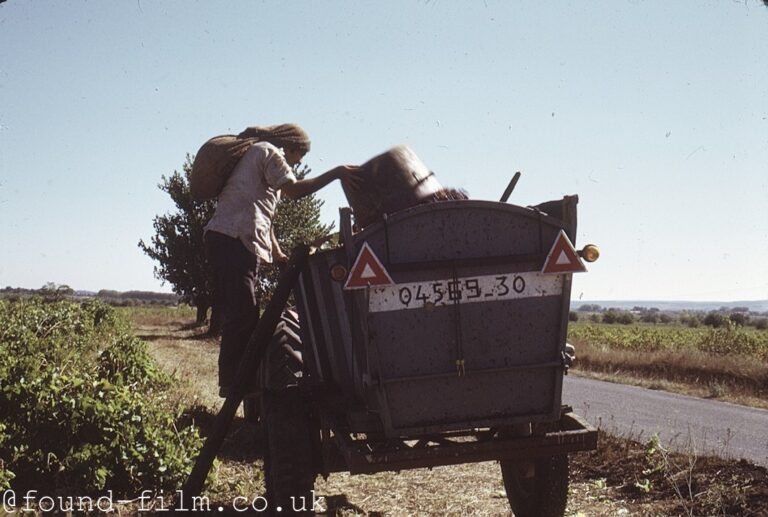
column 249, row 198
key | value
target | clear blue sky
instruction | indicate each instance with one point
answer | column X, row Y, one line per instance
column 654, row 112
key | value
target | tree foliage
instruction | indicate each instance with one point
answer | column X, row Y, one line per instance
column 177, row 245
column 715, row 319
column 53, row 292
column 617, row 316
column 739, row 318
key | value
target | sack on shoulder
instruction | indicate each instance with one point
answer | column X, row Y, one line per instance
column 214, row 163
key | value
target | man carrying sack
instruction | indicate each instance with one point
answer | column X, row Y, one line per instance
column 240, row 235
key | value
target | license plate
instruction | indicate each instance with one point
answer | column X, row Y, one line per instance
column 476, row 289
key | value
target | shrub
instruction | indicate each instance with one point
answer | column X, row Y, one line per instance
column 626, row 318
column 616, row 316
column 690, row 320
column 84, row 406
column 739, row 318
column 5, row 475
column 573, row 316
column 714, row 319
column 649, row 317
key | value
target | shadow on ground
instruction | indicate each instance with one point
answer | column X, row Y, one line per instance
column 172, row 333
column 334, row 504
column 340, row 505
column 243, row 442
column 154, row 337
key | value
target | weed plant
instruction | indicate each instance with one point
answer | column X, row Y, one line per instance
column 83, row 408
column 658, row 481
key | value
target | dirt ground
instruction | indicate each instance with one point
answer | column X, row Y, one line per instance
column 621, row 478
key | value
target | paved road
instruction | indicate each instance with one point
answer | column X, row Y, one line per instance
column 682, row 422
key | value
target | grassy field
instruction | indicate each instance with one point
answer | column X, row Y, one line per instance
column 643, row 337
column 623, row 477
column 729, row 363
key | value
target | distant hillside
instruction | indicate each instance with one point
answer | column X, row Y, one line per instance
column 752, row 305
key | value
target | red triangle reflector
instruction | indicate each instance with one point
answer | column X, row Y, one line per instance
column 367, row 271
column 563, row 258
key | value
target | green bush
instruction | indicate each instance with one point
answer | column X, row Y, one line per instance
column 84, row 407
column 5, row 475
column 715, row 320
column 617, row 316
column 739, row 318
column 650, row 317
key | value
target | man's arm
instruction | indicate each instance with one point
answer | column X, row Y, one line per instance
column 277, row 253
column 305, row 187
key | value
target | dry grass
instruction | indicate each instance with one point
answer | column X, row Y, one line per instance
column 738, row 379
column 183, row 315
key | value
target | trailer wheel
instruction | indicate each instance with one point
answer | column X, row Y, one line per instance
column 539, row 489
column 289, row 472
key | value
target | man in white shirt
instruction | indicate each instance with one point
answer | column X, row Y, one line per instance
column 240, row 235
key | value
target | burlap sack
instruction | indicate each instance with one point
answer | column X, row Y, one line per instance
column 214, row 163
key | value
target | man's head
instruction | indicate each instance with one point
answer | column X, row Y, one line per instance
column 293, row 154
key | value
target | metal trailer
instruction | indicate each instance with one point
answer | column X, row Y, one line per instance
column 461, row 359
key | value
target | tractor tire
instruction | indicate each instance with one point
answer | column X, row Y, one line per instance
column 283, row 364
column 281, row 368
column 542, row 492
column 289, row 431
column 289, row 470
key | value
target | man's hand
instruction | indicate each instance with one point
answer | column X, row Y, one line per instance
column 305, row 187
column 348, row 175
column 279, row 257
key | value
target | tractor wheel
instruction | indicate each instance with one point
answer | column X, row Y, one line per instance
column 538, row 488
column 289, row 469
column 282, row 366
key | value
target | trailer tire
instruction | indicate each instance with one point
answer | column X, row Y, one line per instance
column 545, row 494
column 289, row 472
